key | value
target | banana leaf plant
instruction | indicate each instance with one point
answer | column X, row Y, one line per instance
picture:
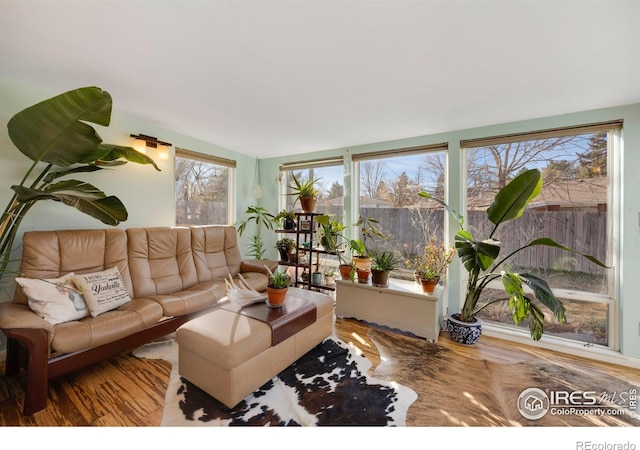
column 480, row 258
column 54, row 134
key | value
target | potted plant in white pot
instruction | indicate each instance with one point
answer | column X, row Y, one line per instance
column 482, row 260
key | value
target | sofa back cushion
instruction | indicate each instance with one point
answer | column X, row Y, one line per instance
column 52, row 254
column 215, row 251
column 160, row 260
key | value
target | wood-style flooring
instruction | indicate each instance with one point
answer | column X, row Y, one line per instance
column 125, row 391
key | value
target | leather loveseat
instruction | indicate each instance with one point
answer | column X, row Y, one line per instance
column 171, row 275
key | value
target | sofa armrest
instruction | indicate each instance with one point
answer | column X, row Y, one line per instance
column 16, row 316
column 258, row 265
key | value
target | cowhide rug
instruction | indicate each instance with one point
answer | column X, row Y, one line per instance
column 327, row 386
column 457, row 390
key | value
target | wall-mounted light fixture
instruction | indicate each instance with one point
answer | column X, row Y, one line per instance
column 142, row 141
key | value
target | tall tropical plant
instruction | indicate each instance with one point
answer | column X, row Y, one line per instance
column 262, row 217
column 482, row 260
column 55, row 135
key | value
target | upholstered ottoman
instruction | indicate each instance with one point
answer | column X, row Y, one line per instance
column 230, row 353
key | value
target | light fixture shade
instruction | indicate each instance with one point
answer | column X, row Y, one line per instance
column 140, row 145
column 163, row 152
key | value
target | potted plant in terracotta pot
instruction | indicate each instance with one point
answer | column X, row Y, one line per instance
column 360, row 258
column 482, row 260
column 383, row 262
column 306, row 192
column 331, row 235
column 432, row 264
column 277, row 289
column 285, row 246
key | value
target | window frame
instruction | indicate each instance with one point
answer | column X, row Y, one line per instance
column 219, row 161
column 356, row 159
column 614, row 189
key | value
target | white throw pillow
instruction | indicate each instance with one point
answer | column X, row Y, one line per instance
column 56, row 300
column 103, row 291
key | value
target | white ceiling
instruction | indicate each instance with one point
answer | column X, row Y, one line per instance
column 275, row 78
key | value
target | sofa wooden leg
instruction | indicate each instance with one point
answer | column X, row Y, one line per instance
column 36, row 342
column 12, row 363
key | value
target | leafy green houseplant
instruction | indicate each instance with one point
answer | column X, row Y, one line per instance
column 306, row 192
column 330, row 232
column 277, row 288
column 262, row 218
column 482, row 260
column 284, row 247
column 432, row 264
column 287, row 219
column 55, row 135
column 382, row 263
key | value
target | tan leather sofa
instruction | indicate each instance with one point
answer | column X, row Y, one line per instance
column 172, row 275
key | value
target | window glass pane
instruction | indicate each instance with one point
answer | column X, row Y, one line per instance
column 586, row 321
column 572, row 209
column 330, row 184
column 388, row 192
column 201, row 192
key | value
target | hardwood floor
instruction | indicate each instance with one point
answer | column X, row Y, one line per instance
column 125, row 391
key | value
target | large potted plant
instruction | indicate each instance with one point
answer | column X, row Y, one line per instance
column 55, row 132
column 482, row 260
column 306, row 192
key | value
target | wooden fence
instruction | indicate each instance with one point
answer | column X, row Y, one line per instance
column 585, row 232
column 410, row 230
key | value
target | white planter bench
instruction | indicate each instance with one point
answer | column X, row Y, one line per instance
column 402, row 306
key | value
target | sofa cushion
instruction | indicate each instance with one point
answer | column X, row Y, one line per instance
column 108, row 327
column 56, row 300
column 160, row 260
column 216, row 252
column 103, row 291
column 51, row 254
column 191, row 300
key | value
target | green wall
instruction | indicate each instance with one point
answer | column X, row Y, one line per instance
column 149, row 195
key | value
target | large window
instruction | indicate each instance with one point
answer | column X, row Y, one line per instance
column 387, row 187
column 574, row 209
column 203, row 189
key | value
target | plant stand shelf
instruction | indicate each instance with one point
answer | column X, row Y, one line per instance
column 402, row 305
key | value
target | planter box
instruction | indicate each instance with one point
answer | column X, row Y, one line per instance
column 402, row 305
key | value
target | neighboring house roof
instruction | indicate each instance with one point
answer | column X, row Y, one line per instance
column 573, row 193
